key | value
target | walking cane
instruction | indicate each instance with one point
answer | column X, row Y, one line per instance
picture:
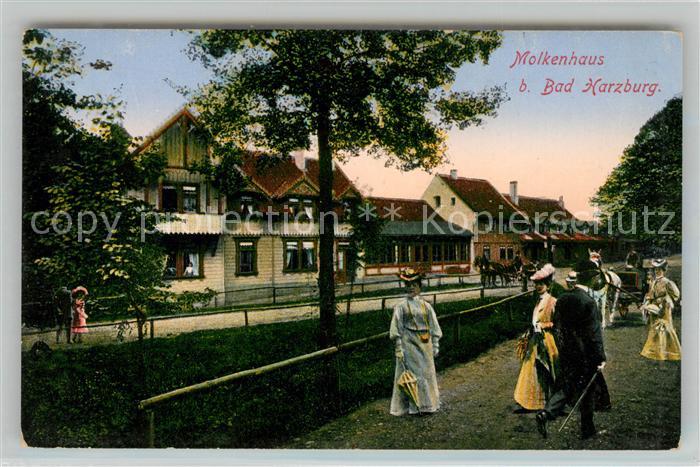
column 588, row 386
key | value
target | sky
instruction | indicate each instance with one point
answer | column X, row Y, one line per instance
column 558, row 144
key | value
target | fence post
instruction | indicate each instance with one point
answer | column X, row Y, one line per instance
column 524, row 283
column 362, row 287
column 152, row 332
column 245, row 314
column 481, row 292
column 434, row 300
column 461, row 280
column 151, row 429
column 274, row 295
column 383, row 303
column 428, row 282
column 439, row 281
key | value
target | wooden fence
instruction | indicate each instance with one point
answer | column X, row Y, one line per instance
column 146, row 406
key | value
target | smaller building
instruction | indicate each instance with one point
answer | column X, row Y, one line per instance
column 417, row 236
column 555, row 235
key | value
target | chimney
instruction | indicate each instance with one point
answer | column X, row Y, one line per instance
column 514, row 192
column 453, row 174
column 299, row 159
column 561, row 202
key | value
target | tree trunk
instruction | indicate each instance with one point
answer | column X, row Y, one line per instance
column 326, row 280
column 347, row 306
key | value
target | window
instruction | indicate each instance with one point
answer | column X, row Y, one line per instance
column 450, row 250
column 453, row 201
column 247, row 207
column 437, row 201
column 421, row 250
column 180, row 198
column 309, row 208
column 464, row 252
column 487, row 252
column 502, row 252
column 389, row 254
column 404, row 253
column 247, row 258
column 437, row 252
column 189, row 198
column 292, row 207
column 169, row 198
column 299, row 256
column 183, row 262
column 510, row 253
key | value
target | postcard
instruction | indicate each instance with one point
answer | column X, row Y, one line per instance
column 352, row 239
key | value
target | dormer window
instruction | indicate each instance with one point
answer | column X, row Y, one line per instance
column 247, row 207
column 292, row 207
column 309, row 208
column 437, row 201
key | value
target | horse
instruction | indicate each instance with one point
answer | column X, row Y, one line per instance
column 487, row 270
column 600, row 286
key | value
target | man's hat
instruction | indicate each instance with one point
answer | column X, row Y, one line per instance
column 572, row 276
column 586, row 269
column 410, row 275
column 659, row 263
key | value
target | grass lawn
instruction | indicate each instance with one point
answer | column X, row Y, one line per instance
column 87, row 397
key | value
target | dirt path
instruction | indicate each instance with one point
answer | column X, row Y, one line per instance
column 477, row 410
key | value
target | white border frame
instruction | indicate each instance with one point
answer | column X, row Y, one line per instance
column 17, row 16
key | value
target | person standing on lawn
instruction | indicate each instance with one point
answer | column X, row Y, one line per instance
column 79, row 326
column 662, row 341
column 537, row 348
column 416, row 334
column 581, row 352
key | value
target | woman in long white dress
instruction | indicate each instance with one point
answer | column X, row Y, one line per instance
column 416, row 334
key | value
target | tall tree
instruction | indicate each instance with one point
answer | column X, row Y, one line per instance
column 383, row 92
column 648, row 179
column 79, row 173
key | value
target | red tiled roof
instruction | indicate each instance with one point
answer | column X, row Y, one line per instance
column 406, row 209
column 480, row 195
column 341, row 183
column 274, row 175
column 544, row 206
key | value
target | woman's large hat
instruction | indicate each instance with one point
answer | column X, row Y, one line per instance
column 659, row 263
column 78, row 289
column 410, row 275
column 546, row 272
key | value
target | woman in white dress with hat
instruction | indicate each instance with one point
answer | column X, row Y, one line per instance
column 416, row 334
column 662, row 341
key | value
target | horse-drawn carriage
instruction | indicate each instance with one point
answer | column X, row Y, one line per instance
column 633, row 287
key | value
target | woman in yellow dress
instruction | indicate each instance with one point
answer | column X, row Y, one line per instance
column 537, row 348
column 662, row 340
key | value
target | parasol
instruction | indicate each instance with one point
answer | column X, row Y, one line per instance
column 409, row 385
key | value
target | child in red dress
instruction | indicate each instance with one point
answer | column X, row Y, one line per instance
column 79, row 326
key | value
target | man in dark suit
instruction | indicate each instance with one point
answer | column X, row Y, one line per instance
column 580, row 343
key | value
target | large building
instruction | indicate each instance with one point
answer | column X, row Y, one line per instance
column 476, row 205
column 267, row 236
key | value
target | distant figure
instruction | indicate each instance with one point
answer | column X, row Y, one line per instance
column 79, row 326
column 63, row 313
column 416, row 335
column 632, row 260
column 662, row 341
